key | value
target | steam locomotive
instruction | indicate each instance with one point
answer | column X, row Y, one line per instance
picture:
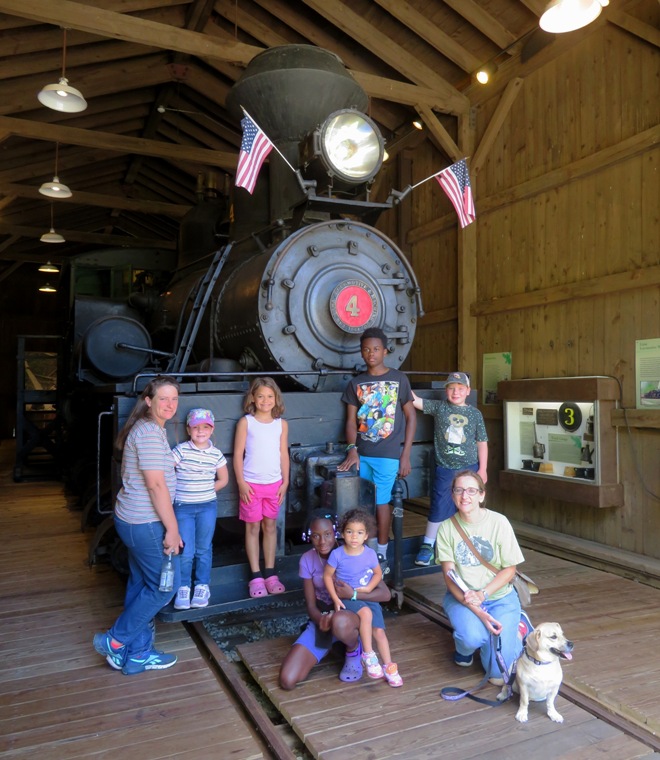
column 281, row 283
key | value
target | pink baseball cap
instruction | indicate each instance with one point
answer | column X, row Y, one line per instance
column 200, row 417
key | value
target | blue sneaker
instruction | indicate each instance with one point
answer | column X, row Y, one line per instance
column 525, row 626
column 152, row 660
column 424, row 556
column 464, row 660
column 115, row 657
column 382, row 561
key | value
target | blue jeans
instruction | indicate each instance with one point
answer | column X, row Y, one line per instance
column 471, row 634
column 442, row 502
column 196, row 527
column 135, row 626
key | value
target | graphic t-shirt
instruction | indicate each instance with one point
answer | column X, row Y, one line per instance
column 354, row 570
column 492, row 537
column 381, row 422
column 456, row 432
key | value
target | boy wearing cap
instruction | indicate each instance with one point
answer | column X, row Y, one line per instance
column 460, row 443
column 201, row 471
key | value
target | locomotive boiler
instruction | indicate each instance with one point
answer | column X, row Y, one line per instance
column 281, row 282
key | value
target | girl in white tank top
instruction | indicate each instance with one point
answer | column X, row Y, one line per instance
column 261, row 466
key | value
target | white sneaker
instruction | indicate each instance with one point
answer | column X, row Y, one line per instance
column 182, row 599
column 201, row 596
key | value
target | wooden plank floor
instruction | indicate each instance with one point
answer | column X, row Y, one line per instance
column 613, row 622
column 58, row 698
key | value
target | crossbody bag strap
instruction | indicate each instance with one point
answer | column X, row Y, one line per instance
column 465, row 538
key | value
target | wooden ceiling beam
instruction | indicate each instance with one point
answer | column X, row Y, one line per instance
column 495, row 124
column 419, row 24
column 363, row 32
column 76, row 236
column 20, row 93
column 97, row 199
column 402, row 92
column 441, row 95
column 130, row 28
column 635, row 26
column 473, row 12
column 439, row 134
column 117, row 143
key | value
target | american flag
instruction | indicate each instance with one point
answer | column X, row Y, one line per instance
column 455, row 181
column 254, row 149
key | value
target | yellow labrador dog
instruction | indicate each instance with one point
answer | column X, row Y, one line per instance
column 538, row 672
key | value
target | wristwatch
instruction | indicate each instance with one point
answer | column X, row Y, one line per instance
column 485, row 593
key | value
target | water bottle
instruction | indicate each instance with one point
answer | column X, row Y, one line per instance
column 167, row 574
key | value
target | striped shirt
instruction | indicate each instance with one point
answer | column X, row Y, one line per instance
column 146, row 448
column 195, row 472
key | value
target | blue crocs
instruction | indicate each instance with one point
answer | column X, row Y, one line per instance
column 152, row 660
column 115, row 656
column 352, row 670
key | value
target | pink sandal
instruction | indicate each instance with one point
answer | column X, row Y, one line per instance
column 257, row 587
column 273, row 585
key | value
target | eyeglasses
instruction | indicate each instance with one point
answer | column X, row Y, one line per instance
column 469, row 491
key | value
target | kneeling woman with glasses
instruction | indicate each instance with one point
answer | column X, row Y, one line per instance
column 481, row 604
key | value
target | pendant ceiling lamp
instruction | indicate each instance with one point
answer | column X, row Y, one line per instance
column 568, row 15
column 61, row 96
column 51, row 237
column 48, row 288
column 48, row 267
column 55, row 189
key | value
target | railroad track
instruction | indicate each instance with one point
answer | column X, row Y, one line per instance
column 280, row 739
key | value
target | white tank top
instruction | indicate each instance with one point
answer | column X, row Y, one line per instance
column 262, row 463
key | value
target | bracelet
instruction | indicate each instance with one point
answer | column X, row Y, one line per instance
column 485, row 593
column 354, row 597
column 351, row 446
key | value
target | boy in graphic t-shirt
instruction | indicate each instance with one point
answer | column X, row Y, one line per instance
column 380, row 417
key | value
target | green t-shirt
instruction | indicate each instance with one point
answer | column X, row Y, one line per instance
column 493, row 538
column 456, row 432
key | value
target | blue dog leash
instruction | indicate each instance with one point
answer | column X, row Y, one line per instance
column 454, row 693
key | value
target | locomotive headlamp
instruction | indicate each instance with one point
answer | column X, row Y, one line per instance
column 348, row 145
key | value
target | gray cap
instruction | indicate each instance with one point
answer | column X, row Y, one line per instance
column 458, row 377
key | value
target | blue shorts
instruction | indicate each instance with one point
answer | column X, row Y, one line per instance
column 377, row 620
column 442, row 503
column 307, row 639
column 382, row 473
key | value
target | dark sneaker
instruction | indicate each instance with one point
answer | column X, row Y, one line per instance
column 424, row 556
column 382, row 561
column 152, row 660
column 464, row 660
column 201, row 596
column 115, row 656
column 525, row 626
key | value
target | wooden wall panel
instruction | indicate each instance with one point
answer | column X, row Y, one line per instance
column 599, row 219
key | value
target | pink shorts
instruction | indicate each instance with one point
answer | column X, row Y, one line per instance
column 264, row 503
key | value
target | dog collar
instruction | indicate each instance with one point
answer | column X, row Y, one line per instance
column 534, row 660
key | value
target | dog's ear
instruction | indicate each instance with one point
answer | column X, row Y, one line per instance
column 536, row 636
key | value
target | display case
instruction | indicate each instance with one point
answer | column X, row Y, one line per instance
column 559, row 441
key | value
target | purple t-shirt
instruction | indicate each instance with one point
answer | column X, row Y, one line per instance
column 356, row 571
column 312, row 566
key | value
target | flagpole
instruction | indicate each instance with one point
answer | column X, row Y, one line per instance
column 277, row 150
